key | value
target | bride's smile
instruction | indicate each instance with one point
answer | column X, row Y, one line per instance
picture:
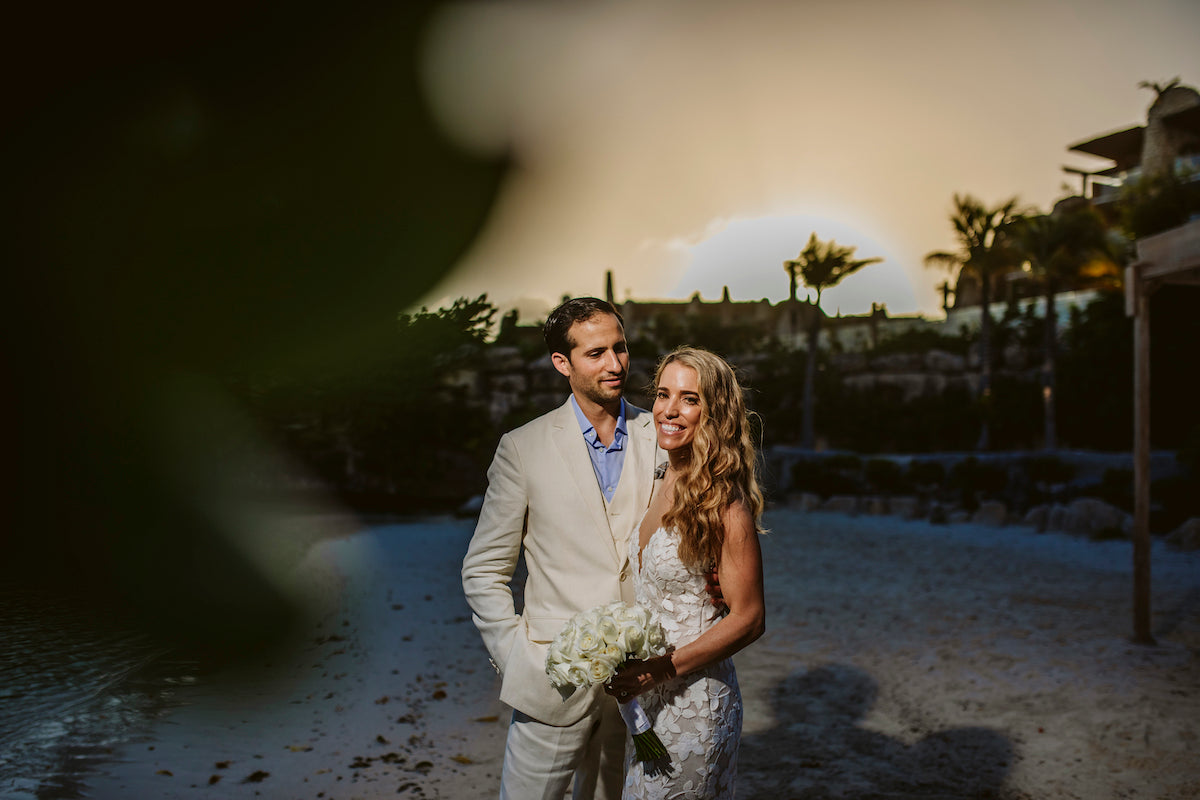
column 677, row 407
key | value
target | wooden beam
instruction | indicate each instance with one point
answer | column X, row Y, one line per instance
column 1141, row 464
column 1167, row 254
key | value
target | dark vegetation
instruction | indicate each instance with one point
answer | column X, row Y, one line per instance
column 411, row 432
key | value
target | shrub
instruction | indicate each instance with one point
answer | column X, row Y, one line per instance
column 926, row 473
column 884, row 475
column 1048, row 470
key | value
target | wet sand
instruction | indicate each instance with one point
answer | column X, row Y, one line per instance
column 902, row 660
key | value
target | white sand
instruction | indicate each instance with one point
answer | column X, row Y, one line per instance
column 902, row 660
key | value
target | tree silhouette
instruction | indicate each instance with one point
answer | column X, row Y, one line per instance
column 820, row 265
column 983, row 252
column 1058, row 246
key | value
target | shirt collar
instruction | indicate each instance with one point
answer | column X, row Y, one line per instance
column 589, row 430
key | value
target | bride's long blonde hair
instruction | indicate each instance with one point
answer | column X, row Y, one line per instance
column 722, row 469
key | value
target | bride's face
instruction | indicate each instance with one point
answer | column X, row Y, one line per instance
column 677, row 409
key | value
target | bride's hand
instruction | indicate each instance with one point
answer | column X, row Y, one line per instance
column 635, row 677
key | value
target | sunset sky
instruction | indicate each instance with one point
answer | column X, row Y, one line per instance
column 692, row 145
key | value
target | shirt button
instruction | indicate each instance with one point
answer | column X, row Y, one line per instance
column 624, row 575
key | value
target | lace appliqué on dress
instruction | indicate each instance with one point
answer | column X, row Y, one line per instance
column 698, row 716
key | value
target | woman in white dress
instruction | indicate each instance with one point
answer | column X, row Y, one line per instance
column 703, row 514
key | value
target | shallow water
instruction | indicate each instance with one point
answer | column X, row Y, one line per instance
column 74, row 685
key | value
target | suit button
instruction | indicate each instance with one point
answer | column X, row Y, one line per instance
column 624, row 575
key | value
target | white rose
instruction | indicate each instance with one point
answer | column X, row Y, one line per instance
column 631, row 638
column 588, row 642
column 577, row 673
column 588, row 619
column 656, row 642
column 608, row 628
column 613, row 654
column 600, row 670
column 560, row 674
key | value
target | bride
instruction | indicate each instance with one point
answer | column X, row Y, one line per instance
column 704, row 512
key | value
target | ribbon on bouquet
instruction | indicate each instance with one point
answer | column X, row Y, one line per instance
column 634, row 716
column 646, row 744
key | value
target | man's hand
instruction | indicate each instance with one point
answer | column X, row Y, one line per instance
column 712, row 585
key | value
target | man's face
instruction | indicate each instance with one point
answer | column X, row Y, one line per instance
column 599, row 359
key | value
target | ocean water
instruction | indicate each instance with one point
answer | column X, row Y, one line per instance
column 75, row 684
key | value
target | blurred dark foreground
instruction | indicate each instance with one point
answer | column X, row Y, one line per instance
column 196, row 193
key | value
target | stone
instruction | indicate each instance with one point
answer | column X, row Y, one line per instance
column 958, row 517
column 804, row 501
column 841, row 503
column 1037, row 517
column 1186, row 536
column 990, row 512
column 1090, row 516
column 904, row 506
column 875, row 505
column 1056, row 517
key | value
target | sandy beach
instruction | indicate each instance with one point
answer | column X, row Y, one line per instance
column 902, row 660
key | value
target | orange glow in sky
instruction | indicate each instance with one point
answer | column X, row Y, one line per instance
column 680, row 144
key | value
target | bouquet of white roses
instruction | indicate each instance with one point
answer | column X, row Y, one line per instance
column 590, row 648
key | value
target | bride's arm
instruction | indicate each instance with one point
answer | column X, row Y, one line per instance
column 741, row 580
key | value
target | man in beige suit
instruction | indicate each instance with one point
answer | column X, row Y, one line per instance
column 568, row 487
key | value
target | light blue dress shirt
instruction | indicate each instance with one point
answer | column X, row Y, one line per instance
column 606, row 461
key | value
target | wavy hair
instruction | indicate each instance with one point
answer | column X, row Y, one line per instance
column 723, row 466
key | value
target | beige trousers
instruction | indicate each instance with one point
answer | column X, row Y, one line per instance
column 540, row 760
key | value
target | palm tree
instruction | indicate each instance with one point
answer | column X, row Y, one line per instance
column 1058, row 246
column 983, row 252
column 820, row 265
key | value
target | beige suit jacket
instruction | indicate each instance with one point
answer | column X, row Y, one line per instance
column 543, row 496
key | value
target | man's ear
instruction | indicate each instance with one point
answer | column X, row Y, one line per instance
column 561, row 363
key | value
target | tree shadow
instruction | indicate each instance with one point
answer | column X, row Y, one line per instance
column 818, row 749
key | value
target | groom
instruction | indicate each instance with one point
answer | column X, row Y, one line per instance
column 567, row 487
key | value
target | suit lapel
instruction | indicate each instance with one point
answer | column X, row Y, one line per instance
column 639, row 457
column 570, row 445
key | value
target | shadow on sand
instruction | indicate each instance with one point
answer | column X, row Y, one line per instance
column 818, row 749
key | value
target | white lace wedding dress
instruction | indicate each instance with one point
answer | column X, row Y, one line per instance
column 698, row 716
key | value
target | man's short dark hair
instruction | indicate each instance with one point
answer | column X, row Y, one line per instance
column 578, row 309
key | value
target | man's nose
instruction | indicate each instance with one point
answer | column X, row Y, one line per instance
column 612, row 363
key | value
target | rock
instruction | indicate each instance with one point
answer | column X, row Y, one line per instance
column 938, row 514
column 991, row 512
column 1037, row 517
column 1186, row 536
column 1090, row 516
column 1056, row 517
column 958, row 517
column 804, row 501
column 875, row 505
column 904, row 506
column 842, row 504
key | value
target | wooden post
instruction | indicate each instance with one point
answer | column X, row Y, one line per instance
column 1141, row 457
